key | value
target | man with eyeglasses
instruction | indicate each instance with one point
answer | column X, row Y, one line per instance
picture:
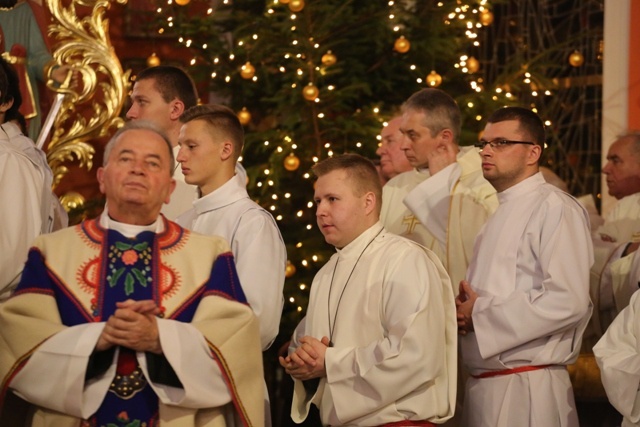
column 443, row 202
column 525, row 302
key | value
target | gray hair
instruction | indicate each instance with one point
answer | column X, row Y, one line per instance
column 138, row 125
column 634, row 135
column 440, row 110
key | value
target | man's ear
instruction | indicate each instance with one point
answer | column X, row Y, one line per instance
column 100, row 176
column 447, row 136
column 226, row 150
column 369, row 202
column 535, row 154
column 177, row 108
column 5, row 106
column 172, row 187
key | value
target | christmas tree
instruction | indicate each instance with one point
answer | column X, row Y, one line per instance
column 317, row 78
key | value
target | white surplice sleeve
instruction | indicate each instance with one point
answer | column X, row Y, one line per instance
column 188, row 354
column 410, row 356
column 430, row 201
column 618, row 356
column 62, row 360
column 261, row 259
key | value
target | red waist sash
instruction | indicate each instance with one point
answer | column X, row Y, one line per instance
column 517, row 370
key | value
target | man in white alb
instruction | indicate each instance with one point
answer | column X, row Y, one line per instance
column 378, row 345
column 211, row 140
column 616, row 240
column 525, row 303
column 444, row 201
column 618, row 356
column 28, row 207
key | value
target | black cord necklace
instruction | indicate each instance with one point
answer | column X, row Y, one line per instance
column 335, row 316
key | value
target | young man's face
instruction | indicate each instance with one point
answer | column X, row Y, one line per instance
column 201, row 155
column 147, row 104
column 340, row 213
column 622, row 168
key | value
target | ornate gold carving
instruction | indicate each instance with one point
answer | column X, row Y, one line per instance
column 90, row 108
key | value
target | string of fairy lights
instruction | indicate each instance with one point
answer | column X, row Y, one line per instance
column 475, row 15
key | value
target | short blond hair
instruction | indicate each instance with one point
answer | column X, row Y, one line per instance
column 360, row 170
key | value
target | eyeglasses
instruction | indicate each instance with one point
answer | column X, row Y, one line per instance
column 499, row 143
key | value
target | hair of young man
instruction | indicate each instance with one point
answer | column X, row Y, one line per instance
column 360, row 170
column 172, row 83
column 222, row 121
column 10, row 90
column 139, row 125
column 530, row 123
column 440, row 110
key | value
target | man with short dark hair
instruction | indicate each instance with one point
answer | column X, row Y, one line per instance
column 377, row 346
column 137, row 321
column 211, row 141
column 160, row 95
column 525, row 302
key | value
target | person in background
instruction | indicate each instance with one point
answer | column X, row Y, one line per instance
column 616, row 239
column 378, row 344
column 24, row 43
column 137, row 321
column 618, row 356
column 444, row 201
column 160, row 95
column 525, row 303
column 392, row 158
column 28, row 206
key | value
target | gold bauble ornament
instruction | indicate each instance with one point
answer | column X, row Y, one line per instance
column 247, row 71
column 153, row 60
column 473, row 64
column 401, row 45
column 284, row 1
column 296, row 5
column 289, row 269
column 182, row 2
column 486, row 17
column 71, row 200
column 291, row 162
column 329, row 58
column 434, row 79
column 576, row 59
column 244, row 116
column 310, row 92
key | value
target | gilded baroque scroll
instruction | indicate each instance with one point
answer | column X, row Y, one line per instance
column 90, row 109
